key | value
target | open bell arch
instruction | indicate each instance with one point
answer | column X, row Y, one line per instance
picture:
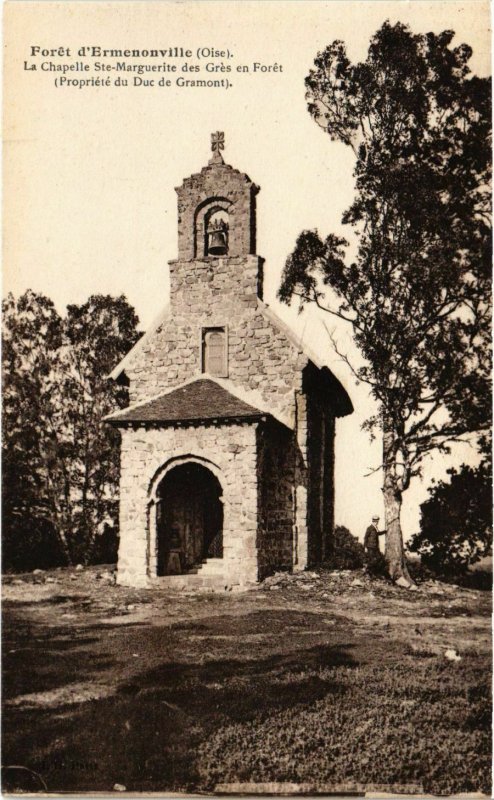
column 205, row 211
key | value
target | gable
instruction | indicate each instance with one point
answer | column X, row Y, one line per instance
column 266, row 359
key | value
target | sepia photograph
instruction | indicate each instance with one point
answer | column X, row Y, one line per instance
column 247, row 405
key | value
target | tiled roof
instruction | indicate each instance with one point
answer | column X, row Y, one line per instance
column 202, row 399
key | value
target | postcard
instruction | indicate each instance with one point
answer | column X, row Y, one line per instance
column 247, row 523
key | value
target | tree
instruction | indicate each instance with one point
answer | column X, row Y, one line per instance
column 60, row 473
column 456, row 521
column 417, row 291
column 97, row 336
column 32, row 482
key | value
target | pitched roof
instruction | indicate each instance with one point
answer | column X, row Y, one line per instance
column 202, row 399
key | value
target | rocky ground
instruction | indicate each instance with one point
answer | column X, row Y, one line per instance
column 319, row 679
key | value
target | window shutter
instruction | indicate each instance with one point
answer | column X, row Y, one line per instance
column 215, row 361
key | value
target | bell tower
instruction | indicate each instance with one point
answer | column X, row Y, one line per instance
column 217, row 259
column 216, row 210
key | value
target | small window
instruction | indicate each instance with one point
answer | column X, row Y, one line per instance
column 214, row 352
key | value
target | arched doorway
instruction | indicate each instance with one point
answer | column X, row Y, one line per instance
column 189, row 518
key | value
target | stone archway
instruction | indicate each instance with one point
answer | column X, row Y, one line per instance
column 189, row 518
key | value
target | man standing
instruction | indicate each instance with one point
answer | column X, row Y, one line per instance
column 374, row 561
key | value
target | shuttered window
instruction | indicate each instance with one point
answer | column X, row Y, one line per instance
column 214, row 352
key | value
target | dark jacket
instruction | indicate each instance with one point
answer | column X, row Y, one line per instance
column 371, row 539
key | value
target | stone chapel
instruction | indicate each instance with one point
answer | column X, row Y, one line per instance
column 227, row 453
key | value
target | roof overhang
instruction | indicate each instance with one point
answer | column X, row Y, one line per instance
column 202, row 400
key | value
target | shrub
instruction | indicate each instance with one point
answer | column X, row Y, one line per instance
column 348, row 553
column 456, row 521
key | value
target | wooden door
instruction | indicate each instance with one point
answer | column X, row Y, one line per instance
column 190, row 519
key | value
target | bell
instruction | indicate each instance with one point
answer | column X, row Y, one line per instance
column 218, row 245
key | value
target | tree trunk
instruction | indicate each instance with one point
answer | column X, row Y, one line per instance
column 394, row 555
column 394, row 552
column 60, row 528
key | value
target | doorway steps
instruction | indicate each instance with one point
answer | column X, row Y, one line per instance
column 211, row 566
column 208, row 575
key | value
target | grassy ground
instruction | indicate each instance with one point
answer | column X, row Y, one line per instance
column 313, row 680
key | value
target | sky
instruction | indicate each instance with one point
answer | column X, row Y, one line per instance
column 89, row 173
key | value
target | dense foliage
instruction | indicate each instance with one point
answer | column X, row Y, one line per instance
column 60, row 461
column 417, row 290
column 456, row 521
column 348, row 553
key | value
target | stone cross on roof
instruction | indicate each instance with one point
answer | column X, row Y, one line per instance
column 217, row 145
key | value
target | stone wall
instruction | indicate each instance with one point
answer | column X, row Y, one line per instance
column 276, row 458
column 328, row 486
column 219, row 184
column 218, row 292
column 320, row 477
column 230, row 452
column 277, row 490
column 214, row 293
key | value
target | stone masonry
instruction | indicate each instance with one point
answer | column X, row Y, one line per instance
column 147, row 454
column 271, row 443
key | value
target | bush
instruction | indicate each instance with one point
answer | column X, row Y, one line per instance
column 456, row 521
column 348, row 553
column 105, row 550
column 30, row 544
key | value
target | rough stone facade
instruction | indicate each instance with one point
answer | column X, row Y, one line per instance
column 274, row 465
column 229, row 452
column 277, row 459
column 216, row 186
column 219, row 293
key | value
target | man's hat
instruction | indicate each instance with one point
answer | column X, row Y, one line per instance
column 376, row 516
